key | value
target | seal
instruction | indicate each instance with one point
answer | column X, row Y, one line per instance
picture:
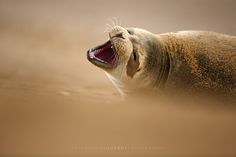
column 136, row 59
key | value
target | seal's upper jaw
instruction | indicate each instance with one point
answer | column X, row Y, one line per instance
column 103, row 55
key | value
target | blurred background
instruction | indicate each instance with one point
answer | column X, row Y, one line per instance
column 53, row 102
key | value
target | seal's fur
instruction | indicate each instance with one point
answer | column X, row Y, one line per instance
column 188, row 60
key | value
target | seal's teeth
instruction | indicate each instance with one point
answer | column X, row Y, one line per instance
column 100, row 60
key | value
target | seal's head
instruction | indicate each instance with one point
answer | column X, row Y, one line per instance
column 125, row 57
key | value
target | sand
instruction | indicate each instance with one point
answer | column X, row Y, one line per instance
column 53, row 102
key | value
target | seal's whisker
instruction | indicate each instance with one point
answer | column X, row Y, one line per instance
column 109, row 27
column 117, row 22
column 107, row 30
column 123, row 71
column 113, row 23
column 116, row 57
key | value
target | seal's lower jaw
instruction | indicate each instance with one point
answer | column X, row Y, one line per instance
column 103, row 55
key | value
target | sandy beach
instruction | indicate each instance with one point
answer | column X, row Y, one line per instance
column 53, row 102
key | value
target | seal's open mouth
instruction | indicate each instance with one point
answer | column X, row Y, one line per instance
column 102, row 55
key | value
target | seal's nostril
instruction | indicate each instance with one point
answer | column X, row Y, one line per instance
column 120, row 35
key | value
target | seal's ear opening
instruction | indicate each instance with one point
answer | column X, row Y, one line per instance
column 133, row 64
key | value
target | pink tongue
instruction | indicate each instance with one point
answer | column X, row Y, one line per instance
column 106, row 54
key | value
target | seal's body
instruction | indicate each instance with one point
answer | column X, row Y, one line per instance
column 187, row 60
column 200, row 61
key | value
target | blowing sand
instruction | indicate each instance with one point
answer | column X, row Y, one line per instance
column 53, row 102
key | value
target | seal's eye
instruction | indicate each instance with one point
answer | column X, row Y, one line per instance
column 135, row 56
column 130, row 32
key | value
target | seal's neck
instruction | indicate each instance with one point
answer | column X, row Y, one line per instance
column 160, row 61
column 165, row 68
